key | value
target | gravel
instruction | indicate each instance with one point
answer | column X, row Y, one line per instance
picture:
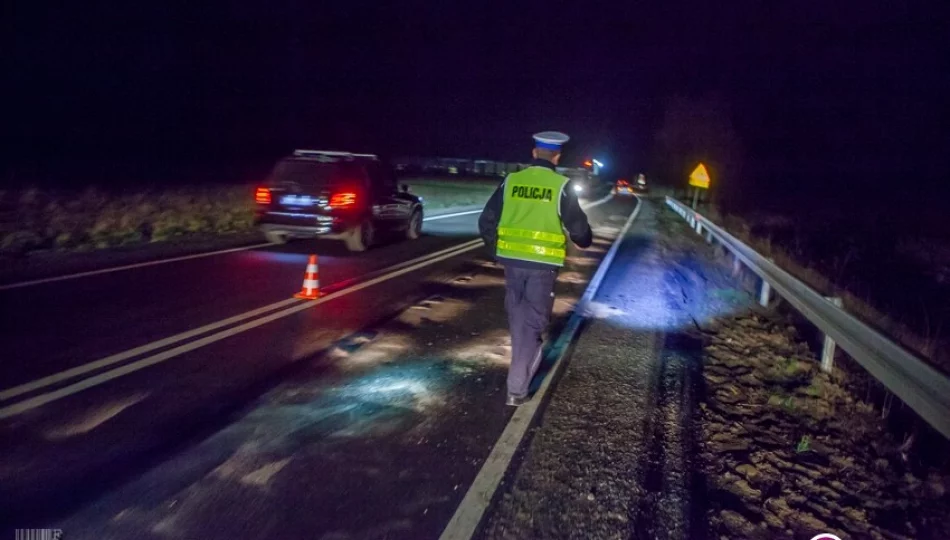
column 686, row 411
column 611, row 458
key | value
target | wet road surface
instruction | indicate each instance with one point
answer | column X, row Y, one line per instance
column 182, row 418
column 92, row 439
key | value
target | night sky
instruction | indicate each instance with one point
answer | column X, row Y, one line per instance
column 833, row 94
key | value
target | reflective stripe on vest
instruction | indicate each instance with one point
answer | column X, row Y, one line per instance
column 530, row 225
column 504, row 245
column 534, row 235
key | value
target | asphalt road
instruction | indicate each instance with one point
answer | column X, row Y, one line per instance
column 96, row 431
column 59, row 325
column 58, row 454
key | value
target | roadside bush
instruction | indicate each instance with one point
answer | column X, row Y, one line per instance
column 914, row 313
column 91, row 218
column 35, row 219
column 19, row 242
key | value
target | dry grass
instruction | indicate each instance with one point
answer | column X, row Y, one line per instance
column 34, row 219
column 60, row 220
column 447, row 193
column 922, row 331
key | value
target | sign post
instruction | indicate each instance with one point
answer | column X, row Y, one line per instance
column 699, row 179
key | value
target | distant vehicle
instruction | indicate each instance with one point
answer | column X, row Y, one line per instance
column 335, row 195
column 623, row 187
column 580, row 179
column 642, row 183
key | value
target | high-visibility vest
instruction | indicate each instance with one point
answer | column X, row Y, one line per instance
column 530, row 225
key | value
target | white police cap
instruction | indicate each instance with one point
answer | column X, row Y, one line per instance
column 550, row 140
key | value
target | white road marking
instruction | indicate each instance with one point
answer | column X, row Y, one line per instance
column 201, row 255
column 125, row 355
column 42, row 399
column 131, row 353
column 598, row 202
column 456, row 214
column 126, row 267
column 471, row 510
column 164, row 342
column 173, row 259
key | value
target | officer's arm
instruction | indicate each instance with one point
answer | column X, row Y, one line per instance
column 488, row 220
column 574, row 219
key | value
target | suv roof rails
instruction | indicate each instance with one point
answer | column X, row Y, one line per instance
column 300, row 152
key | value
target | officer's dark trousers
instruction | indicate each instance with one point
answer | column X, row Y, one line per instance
column 529, row 298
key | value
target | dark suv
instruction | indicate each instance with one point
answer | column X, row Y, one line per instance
column 336, row 195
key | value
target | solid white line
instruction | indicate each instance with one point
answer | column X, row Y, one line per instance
column 457, row 214
column 173, row 259
column 126, row 267
column 598, row 202
column 125, row 355
column 148, row 347
column 446, row 216
column 471, row 510
column 42, row 399
column 195, row 256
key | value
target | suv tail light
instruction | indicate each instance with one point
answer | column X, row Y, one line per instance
column 262, row 196
column 343, row 200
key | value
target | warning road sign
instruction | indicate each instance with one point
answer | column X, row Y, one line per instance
column 699, row 177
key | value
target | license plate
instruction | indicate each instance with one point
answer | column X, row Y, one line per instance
column 297, row 200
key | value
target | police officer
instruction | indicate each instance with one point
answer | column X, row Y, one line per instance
column 524, row 222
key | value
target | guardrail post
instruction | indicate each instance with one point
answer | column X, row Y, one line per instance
column 699, row 227
column 828, row 350
column 709, row 237
column 765, row 293
column 736, row 265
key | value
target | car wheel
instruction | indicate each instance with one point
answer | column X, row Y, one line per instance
column 414, row 228
column 276, row 237
column 361, row 237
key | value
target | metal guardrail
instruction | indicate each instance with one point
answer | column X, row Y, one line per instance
column 921, row 387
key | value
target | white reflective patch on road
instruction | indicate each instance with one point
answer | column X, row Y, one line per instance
column 262, row 476
column 598, row 310
column 94, row 418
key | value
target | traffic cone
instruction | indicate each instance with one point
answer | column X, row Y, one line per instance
column 311, row 281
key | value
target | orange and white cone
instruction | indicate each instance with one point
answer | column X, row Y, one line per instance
column 311, row 281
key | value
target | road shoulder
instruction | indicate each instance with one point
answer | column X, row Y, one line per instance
column 687, row 411
column 611, row 456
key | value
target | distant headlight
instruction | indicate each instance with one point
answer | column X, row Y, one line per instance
column 578, row 188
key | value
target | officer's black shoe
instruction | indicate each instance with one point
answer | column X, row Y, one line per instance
column 516, row 401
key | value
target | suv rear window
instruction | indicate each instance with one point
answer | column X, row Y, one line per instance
column 309, row 173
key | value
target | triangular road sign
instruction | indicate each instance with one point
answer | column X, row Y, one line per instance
column 699, row 177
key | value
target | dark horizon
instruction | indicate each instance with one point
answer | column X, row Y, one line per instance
column 840, row 97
